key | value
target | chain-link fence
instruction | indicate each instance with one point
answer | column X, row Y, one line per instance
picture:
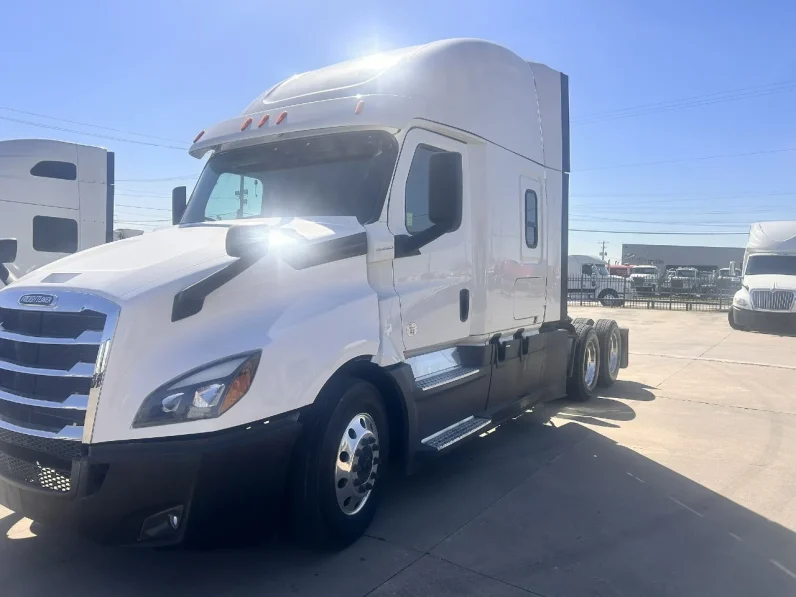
column 672, row 292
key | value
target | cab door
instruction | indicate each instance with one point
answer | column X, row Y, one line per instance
column 433, row 272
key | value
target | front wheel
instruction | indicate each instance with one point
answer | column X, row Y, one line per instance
column 339, row 476
column 609, row 298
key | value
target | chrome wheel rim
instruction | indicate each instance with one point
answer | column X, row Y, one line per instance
column 590, row 365
column 613, row 354
column 357, row 464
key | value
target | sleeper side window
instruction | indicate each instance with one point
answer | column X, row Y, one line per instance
column 531, row 219
column 54, row 235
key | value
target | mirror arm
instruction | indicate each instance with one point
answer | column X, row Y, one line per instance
column 409, row 245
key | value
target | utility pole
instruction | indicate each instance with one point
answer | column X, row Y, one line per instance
column 242, row 193
column 604, row 253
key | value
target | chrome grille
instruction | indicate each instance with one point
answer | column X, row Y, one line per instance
column 52, row 361
column 772, row 300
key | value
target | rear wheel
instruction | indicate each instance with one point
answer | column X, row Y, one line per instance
column 610, row 350
column 339, row 474
column 586, row 369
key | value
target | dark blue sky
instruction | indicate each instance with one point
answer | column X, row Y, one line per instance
column 169, row 68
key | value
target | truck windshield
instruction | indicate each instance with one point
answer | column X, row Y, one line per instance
column 685, row 273
column 343, row 174
column 646, row 271
column 771, row 264
column 600, row 269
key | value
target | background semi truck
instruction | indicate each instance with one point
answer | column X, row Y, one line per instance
column 56, row 198
column 372, row 268
column 767, row 298
column 590, row 277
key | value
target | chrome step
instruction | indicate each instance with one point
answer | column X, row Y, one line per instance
column 456, row 432
column 446, row 376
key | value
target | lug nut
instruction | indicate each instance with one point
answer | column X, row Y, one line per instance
column 361, row 489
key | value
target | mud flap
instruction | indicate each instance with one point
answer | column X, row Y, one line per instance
column 625, row 357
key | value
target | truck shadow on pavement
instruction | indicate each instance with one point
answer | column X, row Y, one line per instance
column 540, row 504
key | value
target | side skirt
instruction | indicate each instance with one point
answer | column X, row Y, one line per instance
column 454, row 394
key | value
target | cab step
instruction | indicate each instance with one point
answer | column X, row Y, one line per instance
column 456, row 432
column 441, row 378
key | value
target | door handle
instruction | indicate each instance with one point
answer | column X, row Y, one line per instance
column 464, row 304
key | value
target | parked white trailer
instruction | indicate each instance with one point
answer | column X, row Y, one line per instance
column 767, row 298
column 371, row 267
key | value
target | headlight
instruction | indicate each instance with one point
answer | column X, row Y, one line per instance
column 203, row 393
column 741, row 299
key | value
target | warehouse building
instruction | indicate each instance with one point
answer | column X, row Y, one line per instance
column 665, row 256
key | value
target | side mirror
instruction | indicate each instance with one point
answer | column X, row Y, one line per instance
column 8, row 250
column 247, row 240
column 178, row 203
column 445, row 190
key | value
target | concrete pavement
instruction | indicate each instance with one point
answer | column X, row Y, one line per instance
column 676, row 481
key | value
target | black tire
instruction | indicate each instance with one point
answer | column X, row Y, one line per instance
column 318, row 519
column 608, row 335
column 578, row 388
column 609, row 298
column 580, row 320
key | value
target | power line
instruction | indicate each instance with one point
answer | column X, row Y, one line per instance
column 660, row 222
column 98, row 135
column 96, row 126
column 688, row 102
column 688, row 196
column 661, row 233
column 696, row 159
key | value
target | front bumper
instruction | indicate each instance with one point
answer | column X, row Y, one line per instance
column 131, row 492
column 765, row 321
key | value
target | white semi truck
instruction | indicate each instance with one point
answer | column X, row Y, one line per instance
column 589, row 277
column 56, row 198
column 767, row 298
column 371, row 268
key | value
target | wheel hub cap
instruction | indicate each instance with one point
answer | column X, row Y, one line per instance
column 357, row 464
column 590, row 365
column 613, row 354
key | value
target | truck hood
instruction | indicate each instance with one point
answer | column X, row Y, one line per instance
column 121, row 268
column 770, row 281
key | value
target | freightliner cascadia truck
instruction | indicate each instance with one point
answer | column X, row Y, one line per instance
column 371, row 268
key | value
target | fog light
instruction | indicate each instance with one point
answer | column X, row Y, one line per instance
column 161, row 526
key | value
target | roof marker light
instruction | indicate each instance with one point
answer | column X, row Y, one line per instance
column 263, row 120
column 281, row 117
column 199, row 136
column 246, row 124
column 360, row 105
